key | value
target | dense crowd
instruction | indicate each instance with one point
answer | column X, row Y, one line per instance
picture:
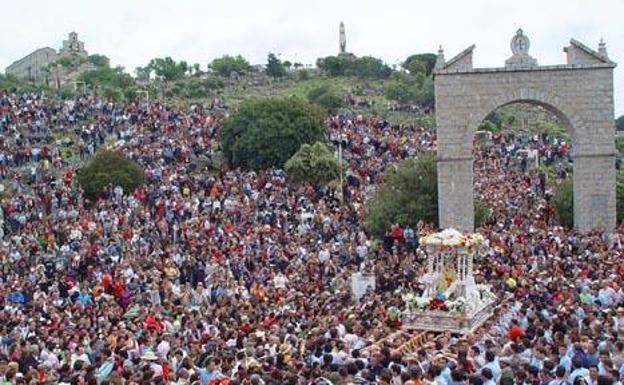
column 238, row 277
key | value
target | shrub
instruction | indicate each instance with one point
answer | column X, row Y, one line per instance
column 226, row 65
column 109, row 168
column 482, row 212
column 563, row 202
column 267, row 132
column 489, row 126
column 314, row 164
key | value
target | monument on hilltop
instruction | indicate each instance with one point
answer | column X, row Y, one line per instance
column 343, row 39
column 342, row 42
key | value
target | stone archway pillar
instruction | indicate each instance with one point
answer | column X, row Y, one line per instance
column 455, row 193
column 594, row 191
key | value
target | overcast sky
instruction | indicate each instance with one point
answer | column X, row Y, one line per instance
column 131, row 32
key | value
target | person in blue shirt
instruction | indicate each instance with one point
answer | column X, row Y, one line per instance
column 211, row 372
column 491, row 362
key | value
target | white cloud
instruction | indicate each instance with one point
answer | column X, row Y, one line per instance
column 131, row 32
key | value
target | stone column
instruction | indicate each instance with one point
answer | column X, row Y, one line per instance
column 455, row 193
column 594, row 191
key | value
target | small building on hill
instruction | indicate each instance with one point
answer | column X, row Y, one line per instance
column 45, row 65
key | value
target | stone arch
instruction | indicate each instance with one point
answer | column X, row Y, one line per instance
column 580, row 93
column 548, row 100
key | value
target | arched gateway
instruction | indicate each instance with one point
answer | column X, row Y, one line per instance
column 580, row 93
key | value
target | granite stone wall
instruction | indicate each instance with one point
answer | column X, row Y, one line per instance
column 581, row 95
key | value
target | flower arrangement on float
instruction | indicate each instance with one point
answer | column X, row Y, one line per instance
column 450, row 299
column 452, row 238
column 438, row 302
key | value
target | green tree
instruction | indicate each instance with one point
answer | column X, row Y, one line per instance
column 619, row 123
column 267, row 132
column 274, row 66
column 314, row 164
column 99, row 60
column 196, row 69
column 563, row 202
column 400, row 90
column 109, row 168
column 226, row 65
column 287, row 64
column 168, row 69
column 107, row 77
column 143, row 73
column 369, row 67
column 414, row 67
column 408, row 195
column 333, row 65
column 422, row 62
column 487, row 125
column 426, row 92
column 410, row 89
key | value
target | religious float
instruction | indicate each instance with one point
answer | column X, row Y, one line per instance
column 451, row 301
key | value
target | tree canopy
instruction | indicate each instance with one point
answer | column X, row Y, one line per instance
column 406, row 88
column 226, row 65
column 167, row 68
column 267, row 132
column 408, row 195
column 107, row 76
column 420, row 63
column 314, row 164
column 275, row 67
column 99, row 60
column 109, row 168
column 563, row 202
column 619, row 123
column 363, row 67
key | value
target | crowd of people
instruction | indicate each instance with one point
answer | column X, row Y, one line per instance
column 240, row 277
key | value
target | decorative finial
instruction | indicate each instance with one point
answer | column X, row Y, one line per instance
column 440, row 59
column 602, row 47
column 520, row 45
